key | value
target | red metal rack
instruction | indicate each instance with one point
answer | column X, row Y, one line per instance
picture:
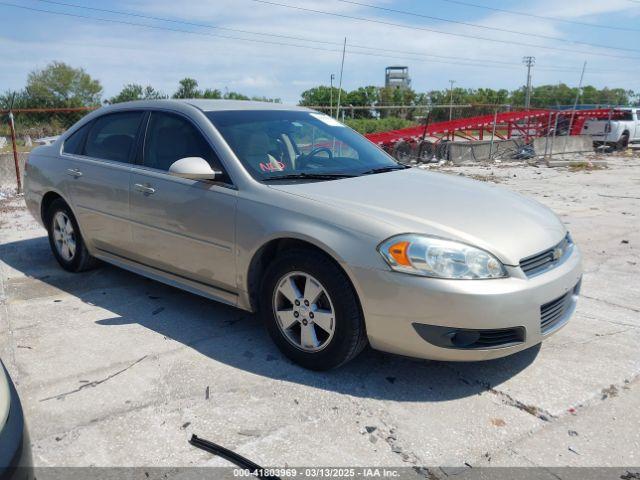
column 524, row 124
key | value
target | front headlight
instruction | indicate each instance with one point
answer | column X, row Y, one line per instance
column 439, row 258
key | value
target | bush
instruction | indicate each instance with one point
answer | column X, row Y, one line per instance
column 373, row 125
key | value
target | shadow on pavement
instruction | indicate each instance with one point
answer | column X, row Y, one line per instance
column 237, row 338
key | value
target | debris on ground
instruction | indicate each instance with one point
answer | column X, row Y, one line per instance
column 611, row 391
column 524, row 153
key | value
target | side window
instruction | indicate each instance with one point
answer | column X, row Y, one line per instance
column 638, row 115
column 113, row 136
column 75, row 142
column 172, row 137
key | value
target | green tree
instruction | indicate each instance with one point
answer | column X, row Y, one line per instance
column 392, row 96
column 235, row 96
column 266, row 99
column 188, row 88
column 134, row 91
column 321, row 96
column 212, row 93
column 60, row 85
column 363, row 97
column 13, row 98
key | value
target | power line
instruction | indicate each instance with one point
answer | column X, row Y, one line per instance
column 472, row 62
column 253, row 40
column 543, row 17
column 411, row 27
column 477, row 63
column 485, row 27
column 289, row 37
column 181, row 22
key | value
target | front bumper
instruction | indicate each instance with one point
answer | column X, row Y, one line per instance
column 394, row 303
column 15, row 447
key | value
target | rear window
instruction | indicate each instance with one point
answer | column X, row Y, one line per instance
column 75, row 143
column 112, row 137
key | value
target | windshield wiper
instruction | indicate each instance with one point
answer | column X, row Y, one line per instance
column 309, row 176
column 389, row 168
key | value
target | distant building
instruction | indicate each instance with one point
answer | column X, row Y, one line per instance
column 397, row 77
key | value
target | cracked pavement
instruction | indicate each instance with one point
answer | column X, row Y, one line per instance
column 106, row 359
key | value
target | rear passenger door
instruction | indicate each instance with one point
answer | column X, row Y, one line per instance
column 99, row 158
column 180, row 226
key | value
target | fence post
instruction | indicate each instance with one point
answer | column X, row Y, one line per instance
column 546, row 140
column 15, row 151
column 493, row 134
column 553, row 138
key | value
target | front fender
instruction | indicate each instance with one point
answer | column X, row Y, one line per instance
column 259, row 223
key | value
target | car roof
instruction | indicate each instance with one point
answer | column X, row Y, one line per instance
column 210, row 105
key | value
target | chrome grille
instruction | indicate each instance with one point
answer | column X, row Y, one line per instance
column 552, row 313
column 548, row 259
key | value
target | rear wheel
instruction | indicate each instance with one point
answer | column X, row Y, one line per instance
column 623, row 143
column 311, row 311
column 65, row 239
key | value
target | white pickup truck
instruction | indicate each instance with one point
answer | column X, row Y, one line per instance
column 617, row 133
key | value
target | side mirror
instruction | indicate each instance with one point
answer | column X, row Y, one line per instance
column 194, row 168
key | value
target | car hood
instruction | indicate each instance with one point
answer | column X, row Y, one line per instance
column 504, row 223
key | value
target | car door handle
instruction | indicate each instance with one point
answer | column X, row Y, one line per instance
column 147, row 190
column 74, row 172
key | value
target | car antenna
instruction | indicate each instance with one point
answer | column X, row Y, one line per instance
column 233, row 457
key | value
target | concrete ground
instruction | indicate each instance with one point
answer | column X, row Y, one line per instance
column 115, row 369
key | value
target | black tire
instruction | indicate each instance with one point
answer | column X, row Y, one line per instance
column 403, row 152
column 623, row 143
column 426, row 151
column 81, row 259
column 349, row 337
column 442, row 150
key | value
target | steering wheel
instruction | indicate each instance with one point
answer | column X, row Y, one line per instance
column 303, row 161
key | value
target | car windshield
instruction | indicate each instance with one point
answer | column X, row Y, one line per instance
column 289, row 144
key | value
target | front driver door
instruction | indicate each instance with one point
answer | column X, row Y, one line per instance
column 180, row 226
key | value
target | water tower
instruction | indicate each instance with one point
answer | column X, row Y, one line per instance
column 397, row 77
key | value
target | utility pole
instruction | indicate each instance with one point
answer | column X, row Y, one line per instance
column 451, row 82
column 578, row 93
column 331, row 96
column 529, row 62
column 344, row 50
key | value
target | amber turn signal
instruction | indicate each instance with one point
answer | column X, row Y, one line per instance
column 399, row 252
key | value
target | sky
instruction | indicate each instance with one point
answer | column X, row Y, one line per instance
column 263, row 48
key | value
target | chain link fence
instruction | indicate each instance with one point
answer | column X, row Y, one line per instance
column 492, row 139
column 21, row 130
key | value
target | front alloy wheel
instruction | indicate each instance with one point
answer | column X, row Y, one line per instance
column 311, row 310
column 304, row 311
